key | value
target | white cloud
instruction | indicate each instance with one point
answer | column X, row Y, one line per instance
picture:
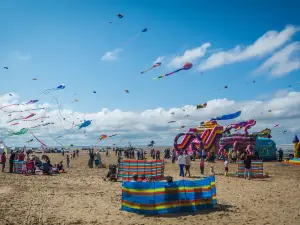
column 190, row 55
column 159, row 59
column 111, row 56
column 22, row 56
column 266, row 44
column 283, row 61
column 152, row 124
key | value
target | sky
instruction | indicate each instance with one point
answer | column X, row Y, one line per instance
column 84, row 45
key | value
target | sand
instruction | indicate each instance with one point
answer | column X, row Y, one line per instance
column 81, row 196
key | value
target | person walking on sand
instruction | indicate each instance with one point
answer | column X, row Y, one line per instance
column 187, row 164
column 202, row 166
column 181, row 163
column 68, row 161
column 247, row 163
column 3, row 160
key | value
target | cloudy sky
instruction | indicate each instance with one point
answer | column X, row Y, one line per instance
column 252, row 50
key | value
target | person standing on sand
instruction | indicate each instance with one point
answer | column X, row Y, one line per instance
column 187, row 164
column 181, row 163
column 173, row 156
column 234, row 157
column 202, row 166
column 3, row 161
column 226, row 167
column 68, row 161
column 77, row 152
column 91, row 159
column 11, row 161
column 247, row 163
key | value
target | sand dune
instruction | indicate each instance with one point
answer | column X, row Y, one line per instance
column 81, row 196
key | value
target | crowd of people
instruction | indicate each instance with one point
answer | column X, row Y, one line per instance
column 32, row 163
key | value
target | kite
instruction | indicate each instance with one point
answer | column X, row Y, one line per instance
column 113, row 135
column 155, row 65
column 226, row 87
column 135, row 36
column 102, row 137
column 201, row 106
column 31, row 140
column 94, row 92
column 270, row 110
column 43, row 124
column 290, row 85
column 9, row 114
column 182, row 127
column 84, row 124
column 34, row 79
column 10, row 94
column 276, row 125
column 59, row 136
column 186, row 66
column 186, row 115
column 253, row 81
column 29, row 116
column 22, row 118
column 76, row 100
column 22, row 131
column 5, row 67
column 228, row 116
column 172, row 121
column 172, row 113
column 284, row 131
column 31, row 102
column 43, row 117
column 120, row 15
column 14, row 124
column 59, row 87
column 126, row 91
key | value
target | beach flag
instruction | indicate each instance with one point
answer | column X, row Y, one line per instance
column 201, row 106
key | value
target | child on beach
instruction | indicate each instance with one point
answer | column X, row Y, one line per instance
column 68, row 161
column 202, row 166
column 211, row 170
column 24, row 169
column 226, row 167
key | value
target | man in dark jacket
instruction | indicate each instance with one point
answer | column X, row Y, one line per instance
column 247, row 163
column 11, row 161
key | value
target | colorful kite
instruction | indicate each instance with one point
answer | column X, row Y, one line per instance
column 9, row 105
column 14, row 124
column 43, row 117
column 201, row 106
column 155, row 65
column 22, row 118
column 43, row 124
column 135, row 36
column 43, row 145
column 59, row 87
column 26, row 110
column 31, row 102
column 186, row 66
column 102, row 137
column 228, row 116
column 29, row 116
column 277, row 125
column 22, row 131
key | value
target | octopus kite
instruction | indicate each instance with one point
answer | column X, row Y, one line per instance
column 155, row 65
column 186, row 66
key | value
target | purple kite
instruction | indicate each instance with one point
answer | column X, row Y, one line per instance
column 186, row 66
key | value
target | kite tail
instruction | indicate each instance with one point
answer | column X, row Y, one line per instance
column 8, row 105
column 130, row 39
column 48, row 91
column 145, row 71
column 38, row 139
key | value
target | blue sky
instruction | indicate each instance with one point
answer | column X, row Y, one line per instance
column 64, row 41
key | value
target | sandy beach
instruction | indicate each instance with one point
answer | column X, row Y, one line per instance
column 81, row 196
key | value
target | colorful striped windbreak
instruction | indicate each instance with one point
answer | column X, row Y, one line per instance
column 162, row 197
column 257, row 168
column 142, row 167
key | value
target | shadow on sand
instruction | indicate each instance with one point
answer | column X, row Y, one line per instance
column 217, row 208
